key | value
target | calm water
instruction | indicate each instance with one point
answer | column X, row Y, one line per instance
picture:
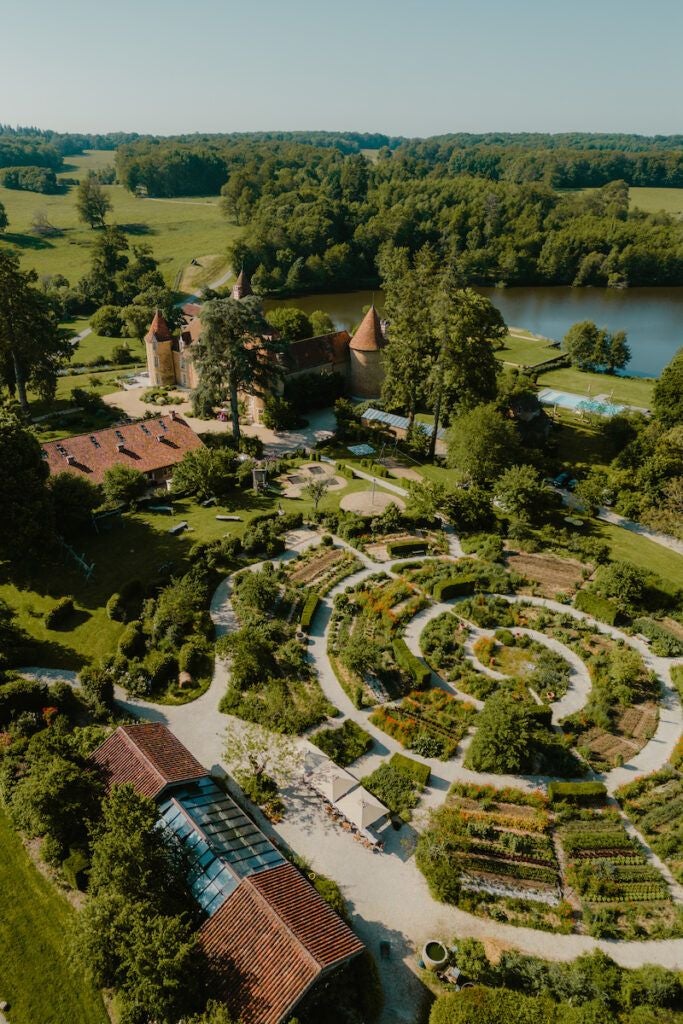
column 652, row 317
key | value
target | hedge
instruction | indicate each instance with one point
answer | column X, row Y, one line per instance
column 417, row 771
column 454, row 587
column 58, row 616
column 406, row 548
column 577, row 792
column 411, row 663
column 599, row 607
column 308, row 611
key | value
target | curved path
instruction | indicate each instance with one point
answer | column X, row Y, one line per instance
column 388, row 896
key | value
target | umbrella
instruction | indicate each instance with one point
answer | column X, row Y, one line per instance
column 332, row 781
column 361, row 808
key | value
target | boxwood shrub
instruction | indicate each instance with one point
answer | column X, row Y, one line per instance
column 577, row 792
column 417, row 771
column 454, row 587
column 308, row 611
column 599, row 607
column 57, row 616
column 411, row 663
column 406, row 548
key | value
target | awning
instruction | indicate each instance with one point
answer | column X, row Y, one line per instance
column 361, row 808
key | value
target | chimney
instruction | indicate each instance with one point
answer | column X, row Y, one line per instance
column 70, row 460
column 120, row 447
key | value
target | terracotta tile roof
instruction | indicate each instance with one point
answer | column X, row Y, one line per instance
column 147, row 445
column 270, row 941
column 158, row 329
column 148, row 756
column 242, row 286
column 190, row 310
column 369, row 337
column 310, row 353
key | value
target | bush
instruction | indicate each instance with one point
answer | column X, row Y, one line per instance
column 598, row 607
column 411, row 664
column 454, row 587
column 162, row 668
column 132, row 641
column 192, row 656
column 75, row 869
column 417, row 771
column 308, row 611
column 107, row 322
column 393, row 787
column 582, row 793
column 115, row 608
column 20, row 696
column 123, row 484
column 58, row 616
column 344, row 744
column 664, row 643
column 406, row 548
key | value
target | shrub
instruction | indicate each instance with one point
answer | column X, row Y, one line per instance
column 598, row 607
column 308, row 611
column 344, row 744
column 417, row 771
column 75, row 868
column 107, row 322
column 585, row 793
column 454, row 587
column 505, row 637
column 664, row 643
column 123, row 484
column 411, row 664
column 115, row 608
column 19, row 696
column 192, row 656
column 406, row 548
column 60, row 613
column 393, row 787
column 132, row 641
column 162, row 668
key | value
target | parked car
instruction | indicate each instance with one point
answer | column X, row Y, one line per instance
column 561, row 479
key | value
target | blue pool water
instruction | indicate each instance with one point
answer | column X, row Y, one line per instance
column 567, row 400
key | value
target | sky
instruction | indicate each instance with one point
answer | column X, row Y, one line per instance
column 401, row 67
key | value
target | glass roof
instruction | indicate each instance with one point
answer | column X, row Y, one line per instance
column 222, row 843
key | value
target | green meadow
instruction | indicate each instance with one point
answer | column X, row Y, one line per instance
column 177, row 230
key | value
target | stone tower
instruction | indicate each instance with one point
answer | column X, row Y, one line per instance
column 242, row 286
column 159, row 347
column 365, row 357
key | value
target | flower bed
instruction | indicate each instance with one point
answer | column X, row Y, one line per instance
column 431, row 722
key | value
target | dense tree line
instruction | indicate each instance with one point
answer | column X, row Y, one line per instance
column 30, row 179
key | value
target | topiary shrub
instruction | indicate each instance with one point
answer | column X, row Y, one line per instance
column 598, row 607
column 132, row 640
column 308, row 611
column 115, row 608
column 162, row 668
column 585, row 793
column 454, row 587
column 58, row 616
column 411, row 664
column 406, row 548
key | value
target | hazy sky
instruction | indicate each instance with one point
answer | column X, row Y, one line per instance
column 397, row 66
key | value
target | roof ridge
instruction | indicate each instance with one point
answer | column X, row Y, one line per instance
column 131, row 742
column 274, row 914
column 119, row 426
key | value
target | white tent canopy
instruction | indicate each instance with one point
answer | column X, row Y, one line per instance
column 361, row 808
column 331, row 781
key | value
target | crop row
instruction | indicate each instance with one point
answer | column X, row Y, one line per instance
column 527, row 872
column 527, row 824
column 482, row 846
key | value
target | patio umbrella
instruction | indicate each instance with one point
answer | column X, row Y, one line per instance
column 332, row 781
column 361, row 808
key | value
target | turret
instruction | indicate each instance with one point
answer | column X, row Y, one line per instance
column 242, row 286
column 159, row 347
column 365, row 355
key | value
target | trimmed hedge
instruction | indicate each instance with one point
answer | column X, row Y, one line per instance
column 577, row 792
column 406, row 548
column 411, row 663
column 599, row 607
column 456, row 586
column 417, row 771
column 308, row 611
column 60, row 614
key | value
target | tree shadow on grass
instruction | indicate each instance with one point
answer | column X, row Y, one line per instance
column 137, row 228
column 50, row 654
column 25, row 241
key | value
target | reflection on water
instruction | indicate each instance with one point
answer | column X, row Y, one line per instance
column 652, row 317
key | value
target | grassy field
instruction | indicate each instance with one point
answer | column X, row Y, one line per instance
column 94, row 345
column 626, row 390
column 177, row 230
column 523, row 349
column 651, row 557
column 134, row 548
column 652, row 200
column 38, row 977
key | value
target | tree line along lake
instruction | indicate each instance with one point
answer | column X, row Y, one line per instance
column 651, row 317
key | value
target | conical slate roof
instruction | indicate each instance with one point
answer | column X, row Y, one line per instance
column 159, row 329
column 242, row 286
column 369, row 337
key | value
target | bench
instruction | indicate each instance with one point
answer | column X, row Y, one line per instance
column 229, row 519
column 178, row 528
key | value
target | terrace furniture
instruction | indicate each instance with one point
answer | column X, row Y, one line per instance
column 229, row 519
column 207, row 502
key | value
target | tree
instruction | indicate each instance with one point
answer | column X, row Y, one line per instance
column 92, row 203
column 667, row 400
column 233, row 356
column 321, row 323
column 28, row 512
column 625, row 582
column 206, row 472
column 469, row 509
column 58, row 798
column 482, row 443
column 109, row 258
column 4, row 220
column 593, row 348
column 13, row 640
column 502, row 741
column 520, row 492
column 139, row 314
column 107, row 321
column 32, row 345
column 316, row 491
column 123, row 484
column 291, row 323
column 254, row 751
column 74, row 499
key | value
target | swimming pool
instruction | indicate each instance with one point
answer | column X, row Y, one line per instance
column 579, row 403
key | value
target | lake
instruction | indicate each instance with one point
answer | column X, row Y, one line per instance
column 652, row 317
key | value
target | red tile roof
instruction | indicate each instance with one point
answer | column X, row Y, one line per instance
column 270, row 941
column 147, row 445
column 369, row 337
column 310, row 353
column 159, row 329
column 148, row 756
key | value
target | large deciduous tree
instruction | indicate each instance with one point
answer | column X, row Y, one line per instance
column 234, row 354
column 92, row 202
column 32, row 345
column 595, row 349
column 27, row 513
column 667, row 401
column 481, row 444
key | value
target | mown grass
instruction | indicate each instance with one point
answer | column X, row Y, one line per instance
column 177, row 230
column 625, row 390
column 525, row 351
column 653, row 200
column 653, row 558
column 94, row 345
column 38, row 975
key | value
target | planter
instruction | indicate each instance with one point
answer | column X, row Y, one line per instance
column 434, row 955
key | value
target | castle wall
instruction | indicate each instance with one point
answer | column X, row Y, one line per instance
column 160, row 363
column 366, row 373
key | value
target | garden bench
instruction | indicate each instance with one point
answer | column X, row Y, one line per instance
column 161, row 508
column 178, row 528
column 229, row 519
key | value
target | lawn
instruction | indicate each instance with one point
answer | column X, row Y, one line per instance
column 38, row 976
column 526, row 350
column 177, row 230
column 626, row 390
column 651, row 557
column 652, row 200
column 97, row 345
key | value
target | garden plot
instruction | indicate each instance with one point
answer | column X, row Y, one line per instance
column 548, row 574
column 430, row 722
column 436, row 576
column 321, row 568
column 365, row 622
column 294, row 481
column 386, row 546
column 655, row 806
